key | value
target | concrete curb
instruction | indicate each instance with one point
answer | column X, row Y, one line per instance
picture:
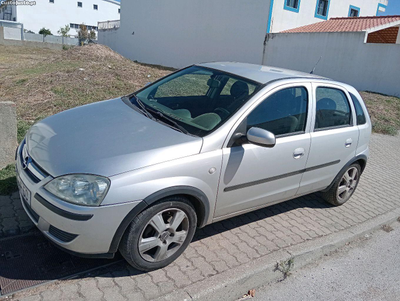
column 232, row 284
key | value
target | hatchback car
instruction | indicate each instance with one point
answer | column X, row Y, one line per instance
column 140, row 173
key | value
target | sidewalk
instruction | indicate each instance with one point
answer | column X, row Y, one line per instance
column 232, row 248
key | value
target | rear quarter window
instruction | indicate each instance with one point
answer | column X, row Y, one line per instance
column 361, row 119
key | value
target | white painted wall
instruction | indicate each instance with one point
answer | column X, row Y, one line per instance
column 181, row 32
column 345, row 57
column 63, row 12
column 284, row 19
column 12, row 33
column 108, row 37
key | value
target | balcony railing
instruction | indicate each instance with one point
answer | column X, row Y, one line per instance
column 114, row 24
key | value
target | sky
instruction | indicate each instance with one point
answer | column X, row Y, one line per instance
column 393, row 8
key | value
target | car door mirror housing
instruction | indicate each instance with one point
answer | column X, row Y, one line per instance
column 261, row 137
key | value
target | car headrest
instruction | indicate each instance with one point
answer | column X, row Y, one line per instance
column 326, row 104
column 239, row 89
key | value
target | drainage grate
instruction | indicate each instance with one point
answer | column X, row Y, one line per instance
column 30, row 260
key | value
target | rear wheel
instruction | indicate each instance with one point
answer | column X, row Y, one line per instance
column 159, row 235
column 344, row 187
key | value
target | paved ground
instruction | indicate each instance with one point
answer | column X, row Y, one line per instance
column 13, row 219
column 237, row 241
column 367, row 270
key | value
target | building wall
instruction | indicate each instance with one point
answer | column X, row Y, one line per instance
column 184, row 32
column 63, row 12
column 8, row 12
column 345, row 57
column 283, row 19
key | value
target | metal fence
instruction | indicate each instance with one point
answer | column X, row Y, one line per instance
column 113, row 24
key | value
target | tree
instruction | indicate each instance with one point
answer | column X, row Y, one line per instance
column 92, row 35
column 83, row 34
column 45, row 32
column 64, row 30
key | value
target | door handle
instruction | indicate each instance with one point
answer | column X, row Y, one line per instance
column 348, row 142
column 298, row 153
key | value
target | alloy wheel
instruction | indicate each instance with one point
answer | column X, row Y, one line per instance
column 347, row 184
column 163, row 235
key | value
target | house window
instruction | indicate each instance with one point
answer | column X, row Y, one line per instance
column 292, row 5
column 354, row 11
column 119, row 10
column 322, row 9
column 51, row 1
column 95, row 7
column 381, row 8
column 79, row 4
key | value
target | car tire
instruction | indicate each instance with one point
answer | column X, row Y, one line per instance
column 159, row 234
column 344, row 187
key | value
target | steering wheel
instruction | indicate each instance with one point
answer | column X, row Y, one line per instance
column 223, row 113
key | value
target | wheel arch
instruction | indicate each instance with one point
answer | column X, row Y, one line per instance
column 198, row 199
column 360, row 159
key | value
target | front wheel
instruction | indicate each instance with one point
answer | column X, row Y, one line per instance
column 344, row 187
column 159, row 235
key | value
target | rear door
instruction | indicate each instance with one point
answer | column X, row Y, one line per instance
column 334, row 137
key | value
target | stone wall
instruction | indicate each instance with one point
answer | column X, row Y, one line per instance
column 8, row 133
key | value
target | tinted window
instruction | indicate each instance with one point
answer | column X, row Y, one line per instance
column 192, row 97
column 193, row 84
column 333, row 108
column 283, row 112
column 359, row 111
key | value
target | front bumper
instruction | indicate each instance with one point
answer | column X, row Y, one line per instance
column 77, row 229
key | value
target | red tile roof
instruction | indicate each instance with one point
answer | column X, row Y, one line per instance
column 346, row 24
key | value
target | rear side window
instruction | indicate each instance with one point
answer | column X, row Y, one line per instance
column 282, row 113
column 333, row 109
column 359, row 111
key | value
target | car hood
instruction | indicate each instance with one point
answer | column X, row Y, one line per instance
column 105, row 138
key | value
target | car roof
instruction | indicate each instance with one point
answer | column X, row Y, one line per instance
column 258, row 73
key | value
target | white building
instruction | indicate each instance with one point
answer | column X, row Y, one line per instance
column 288, row 14
column 182, row 32
column 53, row 14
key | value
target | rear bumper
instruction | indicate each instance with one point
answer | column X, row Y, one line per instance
column 80, row 230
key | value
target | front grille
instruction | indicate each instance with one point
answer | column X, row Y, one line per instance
column 62, row 235
column 32, row 213
column 30, row 167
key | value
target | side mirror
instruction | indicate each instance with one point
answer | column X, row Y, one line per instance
column 261, row 137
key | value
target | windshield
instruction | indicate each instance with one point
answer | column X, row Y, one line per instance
column 198, row 99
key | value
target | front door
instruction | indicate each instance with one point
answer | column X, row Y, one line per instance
column 255, row 176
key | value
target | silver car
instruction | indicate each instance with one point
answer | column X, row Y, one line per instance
column 140, row 173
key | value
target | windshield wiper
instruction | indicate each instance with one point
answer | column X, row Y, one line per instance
column 170, row 120
column 143, row 107
column 150, row 114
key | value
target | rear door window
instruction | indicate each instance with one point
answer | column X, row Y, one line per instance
column 333, row 109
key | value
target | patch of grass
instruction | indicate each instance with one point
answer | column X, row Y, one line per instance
column 21, row 81
column 384, row 112
column 22, row 128
column 285, row 267
column 8, row 180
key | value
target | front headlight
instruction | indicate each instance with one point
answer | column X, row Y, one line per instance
column 87, row 190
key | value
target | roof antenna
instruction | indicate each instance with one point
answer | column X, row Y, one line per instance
column 312, row 71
